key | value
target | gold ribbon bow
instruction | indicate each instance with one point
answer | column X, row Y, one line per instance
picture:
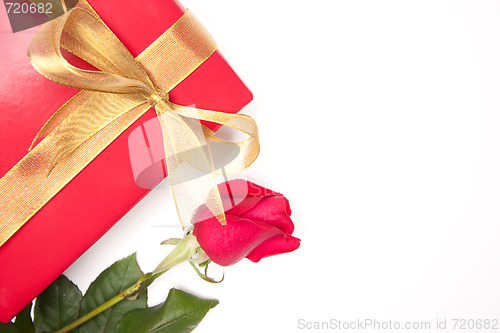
column 110, row 101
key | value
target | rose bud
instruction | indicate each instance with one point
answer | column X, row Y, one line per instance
column 258, row 225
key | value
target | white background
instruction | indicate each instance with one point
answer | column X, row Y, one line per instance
column 379, row 121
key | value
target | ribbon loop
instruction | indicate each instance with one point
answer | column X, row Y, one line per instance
column 120, row 73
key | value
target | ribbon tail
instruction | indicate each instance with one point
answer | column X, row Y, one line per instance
column 189, row 165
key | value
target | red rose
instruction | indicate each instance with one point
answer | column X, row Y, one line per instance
column 259, row 226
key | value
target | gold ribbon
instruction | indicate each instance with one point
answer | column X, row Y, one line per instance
column 110, row 101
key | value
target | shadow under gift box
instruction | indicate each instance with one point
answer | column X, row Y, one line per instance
column 105, row 190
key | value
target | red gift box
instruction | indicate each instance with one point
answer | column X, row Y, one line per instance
column 105, row 190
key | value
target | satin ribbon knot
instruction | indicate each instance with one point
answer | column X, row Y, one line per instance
column 156, row 97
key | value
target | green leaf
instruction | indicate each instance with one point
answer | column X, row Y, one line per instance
column 57, row 306
column 9, row 328
column 181, row 312
column 115, row 279
column 23, row 320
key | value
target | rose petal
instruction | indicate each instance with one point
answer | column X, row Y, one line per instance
column 258, row 224
column 273, row 246
column 273, row 210
column 228, row 244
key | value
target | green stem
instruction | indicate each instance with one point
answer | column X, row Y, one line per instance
column 184, row 250
column 103, row 307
